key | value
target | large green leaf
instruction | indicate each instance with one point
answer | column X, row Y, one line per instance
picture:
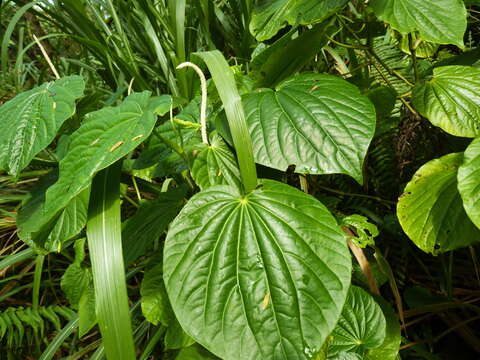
column 104, row 137
column 30, row 121
column 319, row 123
column 431, row 210
column 451, row 99
column 361, row 326
column 272, row 15
column 469, row 181
column 215, row 164
column 257, row 276
column 69, row 222
column 438, row 21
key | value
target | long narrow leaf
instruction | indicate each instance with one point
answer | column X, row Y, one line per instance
column 58, row 340
column 105, row 245
column 225, row 83
column 9, row 31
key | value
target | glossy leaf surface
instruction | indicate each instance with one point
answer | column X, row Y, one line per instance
column 257, row 276
column 429, row 17
column 104, row 137
column 319, row 123
column 431, row 210
column 469, row 181
column 216, row 165
column 451, row 100
column 361, row 326
column 30, row 121
column 271, row 16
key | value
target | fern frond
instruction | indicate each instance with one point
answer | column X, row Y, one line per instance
column 17, row 323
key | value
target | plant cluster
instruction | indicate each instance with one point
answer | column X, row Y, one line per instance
column 271, row 212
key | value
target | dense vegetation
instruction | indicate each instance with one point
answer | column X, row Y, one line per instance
column 240, row 179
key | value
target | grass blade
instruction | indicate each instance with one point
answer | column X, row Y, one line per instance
column 9, row 31
column 105, row 245
column 13, row 259
column 59, row 339
column 225, row 83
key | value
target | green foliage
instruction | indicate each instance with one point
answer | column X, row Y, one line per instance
column 239, row 255
column 308, row 117
column 362, row 325
column 270, row 16
column 365, row 231
column 30, row 121
column 450, row 99
column 19, row 325
column 208, row 239
column 104, row 137
column 469, row 181
column 431, row 210
column 428, row 17
column 215, row 164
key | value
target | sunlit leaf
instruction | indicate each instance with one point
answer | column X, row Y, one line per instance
column 257, row 276
column 319, row 123
column 451, row 100
column 431, row 210
column 428, row 17
column 30, row 121
column 271, row 16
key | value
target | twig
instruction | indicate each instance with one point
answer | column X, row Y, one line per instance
column 45, row 55
column 363, row 262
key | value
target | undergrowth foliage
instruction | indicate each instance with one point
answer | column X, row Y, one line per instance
column 275, row 211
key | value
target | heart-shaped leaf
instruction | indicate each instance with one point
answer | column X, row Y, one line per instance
column 451, row 100
column 216, row 165
column 104, row 137
column 319, row 123
column 429, row 17
column 361, row 326
column 271, row 16
column 469, row 181
column 30, row 120
column 257, row 276
column 431, row 210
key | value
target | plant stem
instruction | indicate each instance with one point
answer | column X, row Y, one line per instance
column 414, row 57
column 37, row 278
column 203, row 104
